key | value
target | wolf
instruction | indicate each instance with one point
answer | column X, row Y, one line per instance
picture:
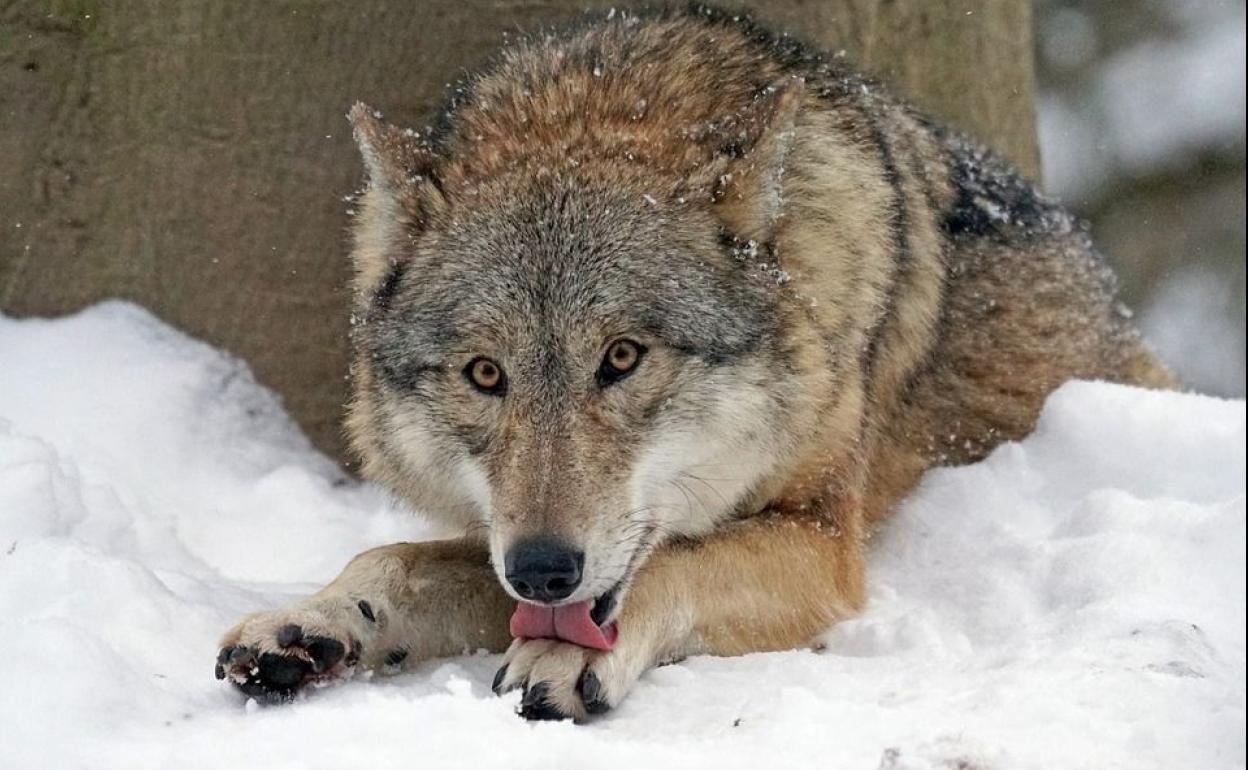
column 664, row 314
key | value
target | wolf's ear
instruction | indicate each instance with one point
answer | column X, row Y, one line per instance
column 398, row 164
column 403, row 194
column 745, row 176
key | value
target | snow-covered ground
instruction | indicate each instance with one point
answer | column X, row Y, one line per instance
column 1075, row 601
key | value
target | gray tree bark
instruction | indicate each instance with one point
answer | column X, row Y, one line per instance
column 193, row 157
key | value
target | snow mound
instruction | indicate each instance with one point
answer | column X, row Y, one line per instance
column 1076, row 600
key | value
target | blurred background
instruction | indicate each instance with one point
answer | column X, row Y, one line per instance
column 1141, row 128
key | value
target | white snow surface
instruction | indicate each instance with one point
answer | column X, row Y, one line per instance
column 1076, row 600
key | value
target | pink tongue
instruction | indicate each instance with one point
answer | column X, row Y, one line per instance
column 569, row 622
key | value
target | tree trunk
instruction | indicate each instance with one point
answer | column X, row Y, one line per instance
column 193, row 157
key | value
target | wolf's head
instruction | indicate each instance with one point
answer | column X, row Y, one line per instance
column 571, row 352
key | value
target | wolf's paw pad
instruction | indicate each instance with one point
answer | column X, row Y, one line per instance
column 562, row 680
column 272, row 656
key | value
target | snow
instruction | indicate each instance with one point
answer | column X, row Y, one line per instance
column 1076, row 600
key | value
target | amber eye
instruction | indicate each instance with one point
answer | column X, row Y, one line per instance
column 486, row 376
column 619, row 362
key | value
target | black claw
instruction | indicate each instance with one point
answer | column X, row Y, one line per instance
column 534, row 705
column 257, row 688
column 276, row 678
column 282, row 673
column 590, row 688
column 219, row 671
column 604, row 604
column 535, row 694
column 353, row 656
column 597, row 707
column 395, row 657
column 366, row 610
column 288, row 635
column 325, row 652
column 499, row 676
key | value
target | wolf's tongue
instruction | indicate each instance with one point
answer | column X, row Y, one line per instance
column 569, row 622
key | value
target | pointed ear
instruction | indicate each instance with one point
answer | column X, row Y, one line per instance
column 745, row 176
column 403, row 194
column 398, row 164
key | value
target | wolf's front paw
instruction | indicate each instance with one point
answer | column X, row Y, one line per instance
column 566, row 681
column 272, row 655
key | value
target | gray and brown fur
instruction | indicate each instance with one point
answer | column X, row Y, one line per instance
column 835, row 294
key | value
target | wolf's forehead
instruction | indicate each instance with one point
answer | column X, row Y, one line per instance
column 576, row 301
column 553, row 248
column 530, row 297
column 567, row 228
column 564, row 260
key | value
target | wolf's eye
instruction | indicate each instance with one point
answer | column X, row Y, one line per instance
column 619, row 362
column 486, row 376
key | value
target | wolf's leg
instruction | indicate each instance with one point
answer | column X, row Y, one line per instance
column 770, row 583
column 391, row 606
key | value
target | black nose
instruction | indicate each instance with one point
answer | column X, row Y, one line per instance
column 543, row 570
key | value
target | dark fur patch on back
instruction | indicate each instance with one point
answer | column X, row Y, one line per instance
column 994, row 200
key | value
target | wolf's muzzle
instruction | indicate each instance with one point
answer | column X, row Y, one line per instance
column 543, row 570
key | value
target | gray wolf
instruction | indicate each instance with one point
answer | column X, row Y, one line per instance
column 665, row 314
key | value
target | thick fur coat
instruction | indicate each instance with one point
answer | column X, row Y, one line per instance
column 698, row 305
